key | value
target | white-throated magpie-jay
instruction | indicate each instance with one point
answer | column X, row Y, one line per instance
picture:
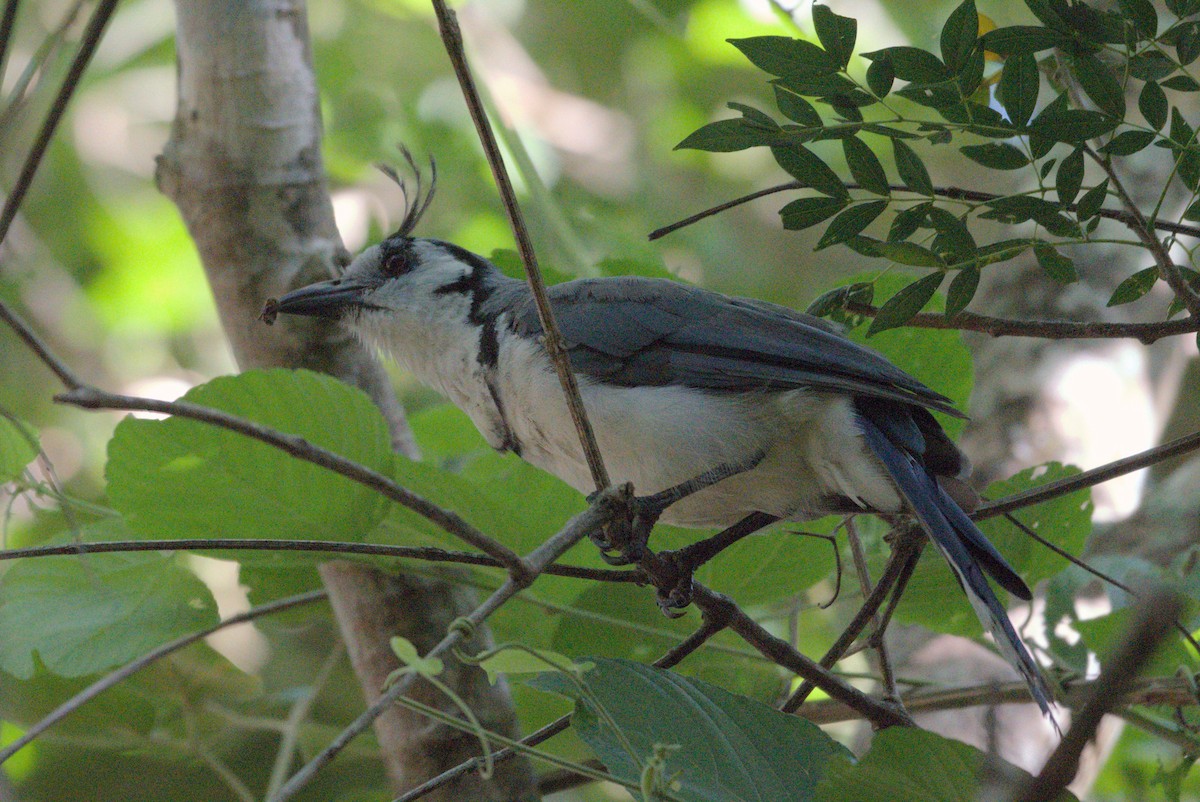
column 676, row 381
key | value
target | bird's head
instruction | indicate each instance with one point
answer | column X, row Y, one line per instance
column 403, row 281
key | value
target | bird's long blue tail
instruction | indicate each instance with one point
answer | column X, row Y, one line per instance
column 955, row 534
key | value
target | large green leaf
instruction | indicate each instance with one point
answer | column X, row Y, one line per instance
column 181, row 478
column 730, row 748
column 18, row 447
column 912, row 765
column 82, row 614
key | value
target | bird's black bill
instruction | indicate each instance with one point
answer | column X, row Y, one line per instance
column 328, row 299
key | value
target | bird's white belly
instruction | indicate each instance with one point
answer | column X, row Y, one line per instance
column 657, row 437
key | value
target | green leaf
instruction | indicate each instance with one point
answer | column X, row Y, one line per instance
column 18, row 447
column 864, row 166
column 1181, row 83
column 1134, row 287
column 1092, row 201
column 786, row 57
column 962, row 290
column 1152, row 102
column 912, row 765
column 1127, row 143
column 836, row 33
column 880, row 77
column 1105, row 635
column 912, row 172
column 909, row 253
column 835, row 300
column 807, row 168
column 959, row 35
column 181, row 478
column 851, row 222
column 406, row 652
column 1187, row 42
column 901, row 307
column 1143, row 16
column 1018, row 89
column 1058, row 267
column 1192, row 212
column 1072, row 126
column 509, row 661
column 996, row 155
column 730, row 747
column 796, row 108
column 1017, row 40
column 1069, row 178
column 1100, row 85
column 87, row 613
column 953, row 242
column 1150, row 65
column 805, row 212
column 726, row 136
column 912, row 64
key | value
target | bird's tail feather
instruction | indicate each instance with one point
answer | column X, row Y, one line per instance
column 967, row 551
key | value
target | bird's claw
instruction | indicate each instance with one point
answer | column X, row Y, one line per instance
column 675, row 589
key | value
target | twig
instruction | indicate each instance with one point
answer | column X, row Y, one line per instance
column 129, row 669
column 92, row 398
column 607, row 504
column 877, row 630
column 1043, row 329
column 27, row 335
column 296, row 716
column 954, row 193
column 1096, row 572
column 781, row 653
column 899, row 567
column 1152, row 620
column 1137, row 223
column 555, row 346
column 1095, row 476
column 6, row 29
column 87, row 46
column 425, row 553
column 1168, row 691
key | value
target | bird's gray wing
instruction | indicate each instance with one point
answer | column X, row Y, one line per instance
column 635, row 331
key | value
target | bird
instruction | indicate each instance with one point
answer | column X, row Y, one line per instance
column 722, row 411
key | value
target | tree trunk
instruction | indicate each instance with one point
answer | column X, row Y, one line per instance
column 244, row 166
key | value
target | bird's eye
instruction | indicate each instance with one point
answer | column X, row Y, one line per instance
column 396, row 264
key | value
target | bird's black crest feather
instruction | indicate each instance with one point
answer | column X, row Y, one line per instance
column 415, row 204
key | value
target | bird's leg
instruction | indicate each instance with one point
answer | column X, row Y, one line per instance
column 624, row 541
column 675, row 569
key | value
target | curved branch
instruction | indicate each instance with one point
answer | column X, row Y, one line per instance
column 954, row 193
column 1044, row 329
column 426, row 553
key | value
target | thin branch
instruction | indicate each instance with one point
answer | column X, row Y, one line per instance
column 1096, row 572
column 296, row 717
column 1042, row 329
column 899, row 567
column 1095, row 476
column 954, row 193
column 92, row 398
column 1137, row 223
column 877, row 624
column 781, row 653
column 424, row 553
column 27, row 335
column 554, row 343
column 1165, row 691
column 1152, row 620
column 129, row 669
column 87, row 46
column 608, row 503
column 7, row 22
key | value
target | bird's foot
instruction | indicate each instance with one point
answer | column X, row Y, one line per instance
column 623, row 540
column 673, row 577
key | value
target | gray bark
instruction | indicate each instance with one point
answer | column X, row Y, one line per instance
column 244, row 166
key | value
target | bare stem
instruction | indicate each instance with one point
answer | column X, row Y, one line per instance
column 555, row 345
